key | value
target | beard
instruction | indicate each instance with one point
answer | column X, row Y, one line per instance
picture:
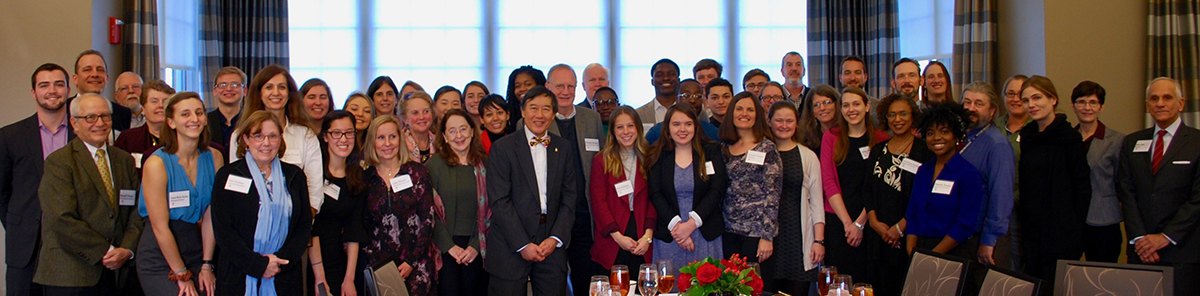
column 52, row 106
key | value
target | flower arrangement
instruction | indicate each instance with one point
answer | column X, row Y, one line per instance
column 709, row 276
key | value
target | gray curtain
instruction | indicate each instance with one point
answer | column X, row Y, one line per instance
column 247, row 34
column 141, row 31
column 1173, row 50
column 840, row 28
column 974, row 43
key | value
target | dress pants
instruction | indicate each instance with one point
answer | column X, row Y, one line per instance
column 1185, row 273
column 1102, row 243
column 19, row 280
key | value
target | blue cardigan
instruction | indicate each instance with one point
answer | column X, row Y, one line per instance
column 937, row 215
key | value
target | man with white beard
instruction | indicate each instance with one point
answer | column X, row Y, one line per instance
column 792, row 69
column 126, row 93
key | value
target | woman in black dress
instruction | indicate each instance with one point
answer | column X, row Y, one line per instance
column 801, row 209
column 337, row 229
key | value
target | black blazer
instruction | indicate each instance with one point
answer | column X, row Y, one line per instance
column 1167, row 202
column 516, row 210
column 708, row 193
column 235, row 217
column 20, row 173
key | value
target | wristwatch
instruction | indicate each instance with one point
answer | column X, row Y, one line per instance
column 822, row 242
column 860, row 226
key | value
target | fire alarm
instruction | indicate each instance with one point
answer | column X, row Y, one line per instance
column 114, row 30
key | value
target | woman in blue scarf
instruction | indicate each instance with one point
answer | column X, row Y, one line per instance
column 260, row 212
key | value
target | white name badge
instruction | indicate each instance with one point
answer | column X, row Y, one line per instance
column 137, row 159
column 756, row 157
column 238, row 184
column 179, row 199
column 591, row 145
column 910, row 165
column 401, row 182
column 865, row 151
column 128, row 197
column 624, row 188
column 333, row 191
column 1181, row 162
column 708, row 168
column 943, row 187
column 1142, row 146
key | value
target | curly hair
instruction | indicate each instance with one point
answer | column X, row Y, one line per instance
column 952, row 116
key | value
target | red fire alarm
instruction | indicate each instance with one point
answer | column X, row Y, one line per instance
column 114, row 30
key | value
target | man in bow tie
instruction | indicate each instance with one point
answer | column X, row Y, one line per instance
column 532, row 214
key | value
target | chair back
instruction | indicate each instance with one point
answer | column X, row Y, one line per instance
column 1004, row 282
column 933, row 274
column 1099, row 278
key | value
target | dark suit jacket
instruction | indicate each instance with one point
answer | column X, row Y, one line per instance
column 20, row 174
column 513, row 195
column 1167, row 202
column 122, row 117
column 708, row 193
column 81, row 221
column 235, row 218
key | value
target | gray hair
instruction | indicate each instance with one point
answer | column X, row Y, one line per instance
column 559, row 67
column 74, row 107
column 986, row 88
column 594, row 66
column 1178, row 89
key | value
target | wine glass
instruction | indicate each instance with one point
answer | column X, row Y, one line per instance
column 842, row 285
column 598, row 284
column 648, row 279
column 666, row 276
column 863, row 290
column 825, row 278
column 619, row 277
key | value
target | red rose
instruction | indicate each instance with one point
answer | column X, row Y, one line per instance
column 756, row 283
column 708, row 273
column 684, row 281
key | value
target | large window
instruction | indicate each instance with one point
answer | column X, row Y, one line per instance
column 927, row 30
column 179, row 32
column 437, row 43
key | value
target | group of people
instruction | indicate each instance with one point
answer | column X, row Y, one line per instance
column 466, row 192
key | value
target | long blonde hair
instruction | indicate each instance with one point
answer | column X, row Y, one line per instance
column 369, row 153
column 612, row 148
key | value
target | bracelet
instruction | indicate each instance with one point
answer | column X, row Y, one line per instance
column 316, row 263
column 208, row 262
column 860, row 226
column 820, row 241
column 182, row 276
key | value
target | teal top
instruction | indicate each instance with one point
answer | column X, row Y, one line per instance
column 199, row 196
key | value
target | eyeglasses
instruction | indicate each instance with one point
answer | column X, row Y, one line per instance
column 606, row 103
column 892, row 115
column 261, row 137
column 694, row 97
column 822, row 103
column 128, row 87
column 107, row 117
column 756, row 85
column 772, row 98
column 1082, row 103
column 226, row 84
column 340, row 134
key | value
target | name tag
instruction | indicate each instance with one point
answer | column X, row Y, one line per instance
column 865, row 151
column 137, row 160
column 708, row 168
column 127, row 198
column 1142, row 146
column 401, row 182
column 910, row 165
column 292, row 156
column 332, row 190
column 591, row 145
column 943, row 187
column 1181, row 162
column 179, row 199
column 1018, row 138
column 238, row 184
column 756, row 157
column 624, row 188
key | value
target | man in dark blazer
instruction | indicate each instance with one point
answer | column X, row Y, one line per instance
column 88, row 198
column 1157, row 185
column 533, row 198
column 91, row 76
column 24, row 146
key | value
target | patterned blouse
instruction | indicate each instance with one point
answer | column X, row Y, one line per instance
column 752, row 200
column 400, row 226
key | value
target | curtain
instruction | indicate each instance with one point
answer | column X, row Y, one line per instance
column 247, row 34
column 141, row 50
column 867, row 28
column 974, row 43
column 1174, row 51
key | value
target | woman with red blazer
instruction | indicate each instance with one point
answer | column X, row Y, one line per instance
column 625, row 219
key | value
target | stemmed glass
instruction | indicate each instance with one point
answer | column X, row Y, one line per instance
column 666, row 276
column 648, row 279
column 598, row 284
column 825, row 279
column 842, row 285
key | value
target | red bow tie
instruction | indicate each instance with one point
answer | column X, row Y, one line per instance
column 545, row 141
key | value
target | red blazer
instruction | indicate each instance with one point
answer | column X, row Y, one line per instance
column 611, row 212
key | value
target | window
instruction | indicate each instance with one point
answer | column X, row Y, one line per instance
column 927, row 30
column 180, row 34
column 435, row 43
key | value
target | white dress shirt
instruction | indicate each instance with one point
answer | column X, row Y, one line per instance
column 539, row 166
column 660, row 111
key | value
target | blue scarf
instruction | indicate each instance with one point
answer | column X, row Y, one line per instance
column 274, row 214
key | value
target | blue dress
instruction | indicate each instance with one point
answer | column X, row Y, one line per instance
column 177, row 180
column 152, row 267
column 685, row 187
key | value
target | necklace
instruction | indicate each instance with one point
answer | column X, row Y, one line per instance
column 903, row 149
